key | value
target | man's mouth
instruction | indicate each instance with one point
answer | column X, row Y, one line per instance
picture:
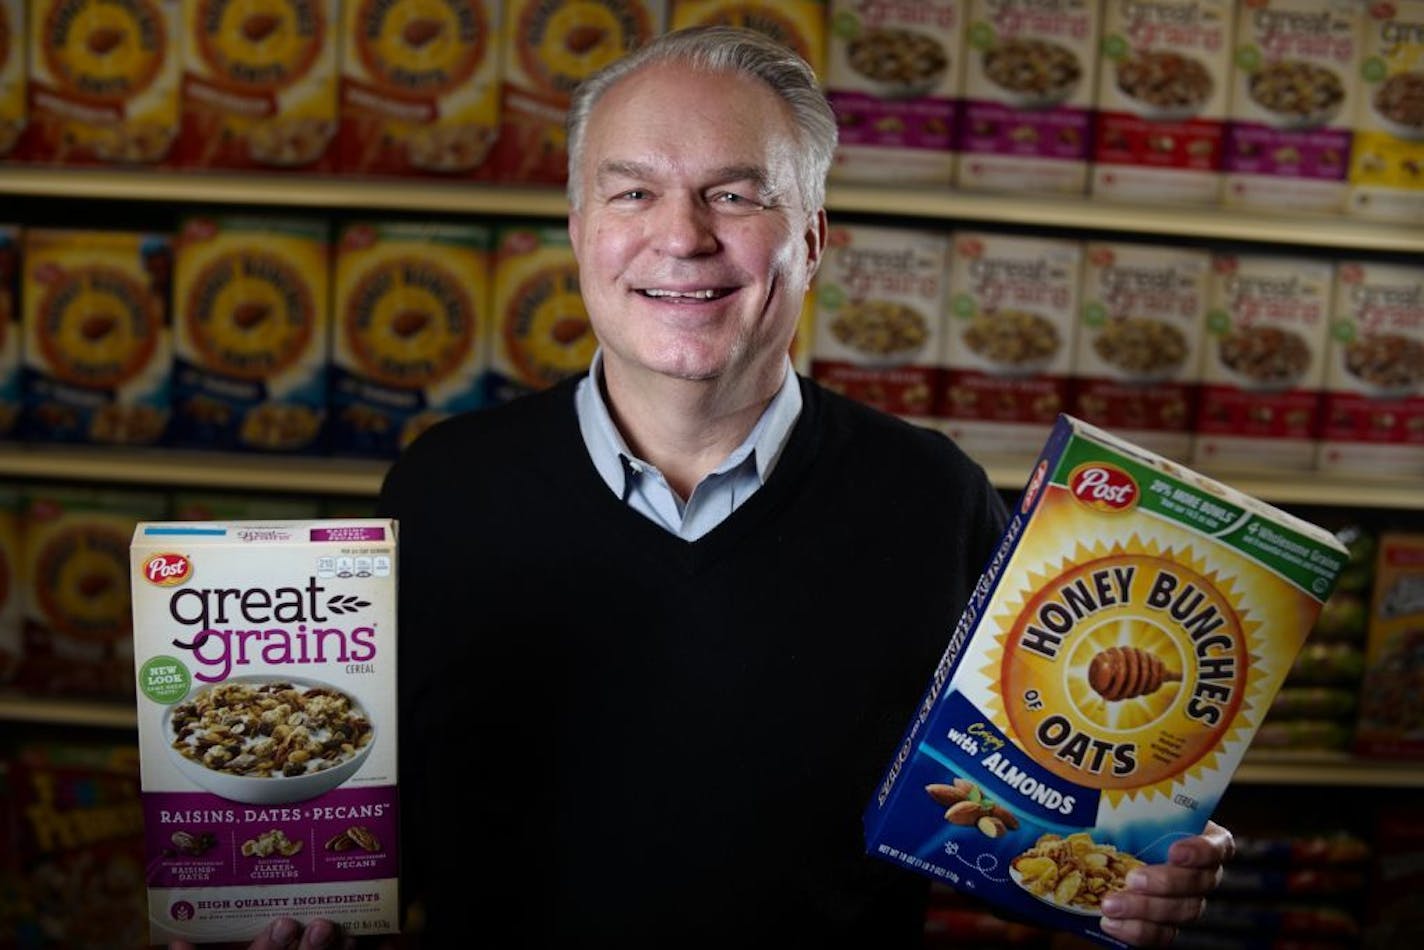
column 706, row 293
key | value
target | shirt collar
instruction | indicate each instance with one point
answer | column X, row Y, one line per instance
column 606, row 446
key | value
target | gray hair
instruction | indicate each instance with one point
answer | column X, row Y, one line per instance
column 724, row 49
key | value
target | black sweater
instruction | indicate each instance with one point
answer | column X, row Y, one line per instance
column 636, row 740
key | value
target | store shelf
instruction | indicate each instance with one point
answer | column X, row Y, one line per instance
column 418, row 195
column 97, row 714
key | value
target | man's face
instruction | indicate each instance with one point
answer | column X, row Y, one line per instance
column 694, row 247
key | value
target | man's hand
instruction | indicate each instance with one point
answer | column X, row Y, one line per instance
column 1160, row 897
column 286, row 934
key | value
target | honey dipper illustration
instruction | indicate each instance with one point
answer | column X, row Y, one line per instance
column 1128, row 672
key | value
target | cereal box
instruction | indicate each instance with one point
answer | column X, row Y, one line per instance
column 540, row 332
column 103, row 82
column 799, row 24
column 11, row 584
column 97, row 350
column 1263, row 363
column 548, row 47
column 1373, row 410
column 411, row 333
column 1293, row 104
column 1029, row 88
column 880, row 314
column 1138, row 355
column 252, row 323
column 11, row 330
column 1009, row 352
column 260, row 84
column 1118, row 653
column 893, row 80
column 419, row 87
column 1387, row 164
column 1391, row 719
column 265, row 664
column 13, row 75
column 1163, row 93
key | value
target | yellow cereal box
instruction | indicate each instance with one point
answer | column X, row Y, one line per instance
column 97, row 343
column 1387, row 164
column 10, row 328
column 1119, row 652
column 12, row 74
column 541, row 332
column 799, row 24
column 411, row 331
column 259, row 84
column 1391, row 719
column 103, row 81
column 419, row 86
column 548, row 47
column 252, row 319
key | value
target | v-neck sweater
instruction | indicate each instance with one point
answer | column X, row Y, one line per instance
column 636, row 740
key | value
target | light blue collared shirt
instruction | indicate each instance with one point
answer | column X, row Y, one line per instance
column 721, row 492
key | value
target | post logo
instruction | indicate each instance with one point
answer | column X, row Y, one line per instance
column 167, row 570
column 1103, row 486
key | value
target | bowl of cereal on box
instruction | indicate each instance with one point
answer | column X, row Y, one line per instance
column 898, row 64
column 1012, row 342
column 881, row 332
column 1296, row 94
column 1398, row 104
column 268, row 740
column 1163, row 84
column 1033, row 73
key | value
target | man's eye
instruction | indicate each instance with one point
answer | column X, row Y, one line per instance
column 633, row 194
column 735, row 200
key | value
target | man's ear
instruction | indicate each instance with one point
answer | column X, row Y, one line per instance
column 815, row 242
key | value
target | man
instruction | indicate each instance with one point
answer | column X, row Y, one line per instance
column 663, row 626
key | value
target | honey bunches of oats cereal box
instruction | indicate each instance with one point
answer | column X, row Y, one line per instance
column 1117, row 655
column 265, row 659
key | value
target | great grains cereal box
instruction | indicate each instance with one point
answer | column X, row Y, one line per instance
column 13, row 75
column 1029, row 89
column 1118, row 653
column 98, row 349
column 880, row 317
column 798, row 24
column 893, row 80
column 260, row 84
column 103, row 81
column 1263, row 362
column 411, row 336
column 252, row 319
column 265, row 664
column 419, row 87
column 547, row 48
column 1163, row 95
column 1373, row 411
column 1293, row 104
column 1138, row 350
column 1387, row 164
column 540, row 332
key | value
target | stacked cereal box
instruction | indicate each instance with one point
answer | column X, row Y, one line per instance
column 1293, row 105
column 1162, row 100
column 548, row 46
column 1104, row 682
column 1009, row 352
column 12, row 74
column 1391, row 721
column 1264, row 361
column 11, row 329
column 799, row 24
column 1138, row 358
column 410, row 333
column 265, row 660
column 1373, row 412
column 540, row 332
column 893, row 80
column 11, row 584
column 103, row 81
column 880, row 311
column 97, row 345
column 259, row 84
column 1387, row 165
column 250, row 308
column 1029, row 89
column 419, row 87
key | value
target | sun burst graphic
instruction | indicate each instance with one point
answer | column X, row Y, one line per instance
column 1129, row 665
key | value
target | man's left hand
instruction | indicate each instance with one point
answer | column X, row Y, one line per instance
column 1161, row 897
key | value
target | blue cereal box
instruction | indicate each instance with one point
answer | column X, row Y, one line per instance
column 1118, row 654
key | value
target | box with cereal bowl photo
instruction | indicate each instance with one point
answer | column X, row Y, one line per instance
column 1116, row 657
column 265, row 658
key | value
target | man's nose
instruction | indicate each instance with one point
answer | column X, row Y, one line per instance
column 684, row 226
